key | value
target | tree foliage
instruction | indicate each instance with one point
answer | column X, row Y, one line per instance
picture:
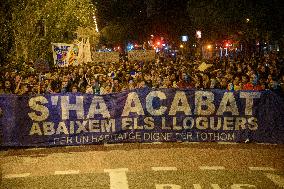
column 223, row 18
column 35, row 24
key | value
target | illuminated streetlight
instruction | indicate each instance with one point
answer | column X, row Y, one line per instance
column 181, row 46
column 247, row 20
column 209, row 46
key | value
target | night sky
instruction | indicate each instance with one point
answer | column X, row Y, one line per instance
column 171, row 18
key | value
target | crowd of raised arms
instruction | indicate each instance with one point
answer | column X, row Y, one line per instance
column 253, row 73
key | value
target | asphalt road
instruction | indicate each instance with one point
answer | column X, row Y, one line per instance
column 145, row 166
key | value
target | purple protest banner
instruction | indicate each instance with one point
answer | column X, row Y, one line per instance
column 142, row 115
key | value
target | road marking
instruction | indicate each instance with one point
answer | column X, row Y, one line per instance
column 213, row 186
column 240, row 186
column 266, row 144
column 187, row 142
column 109, row 145
column 3, row 152
column 74, row 146
column 262, row 169
column 157, row 143
column 34, row 149
column 118, row 178
column 17, row 175
column 171, row 186
column 197, row 186
column 211, row 167
column 152, row 143
column 227, row 143
column 66, row 172
column 276, row 179
column 164, row 168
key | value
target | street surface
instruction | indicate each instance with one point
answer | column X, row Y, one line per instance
column 145, row 166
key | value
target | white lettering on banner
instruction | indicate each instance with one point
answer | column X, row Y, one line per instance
column 66, row 107
column 167, row 186
column 212, row 123
column 149, row 123
column 201, row 123
column 240, row 123
column 132, row 98
column 35, row 104
column 144, row 123
column 208, row 102
column 35, row 129
column 81, row 126
column 215, row 136
column 249, row 96
column 252, row 123
column 224, row 107
column 204, row 105
column 228, row 123
column 149, row 103
column 72, row 127
column 102, row 109
column 180, row 97
column 185, row 123
column 48, row 128
column 61, row 129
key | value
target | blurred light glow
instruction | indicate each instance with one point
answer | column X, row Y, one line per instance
column 181, row 46
column 209, row 46
column 198, row 34
column 184, row 38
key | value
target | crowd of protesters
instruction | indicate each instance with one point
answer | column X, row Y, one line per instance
column 253, row 73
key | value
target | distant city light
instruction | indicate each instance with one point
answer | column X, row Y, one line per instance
column 198, row 34
column 158, row 43
column 209, row 46
column 130, row 47
column 181, row 46
column 247, row 20
column 184, row 38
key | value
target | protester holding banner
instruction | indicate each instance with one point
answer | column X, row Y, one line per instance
column 241, row 73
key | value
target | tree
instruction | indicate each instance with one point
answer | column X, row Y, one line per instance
column 251, row 21
column 35, row 24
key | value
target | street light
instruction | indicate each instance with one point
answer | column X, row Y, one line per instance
column 209, row 47
column 181, row 46
column 247, row 20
